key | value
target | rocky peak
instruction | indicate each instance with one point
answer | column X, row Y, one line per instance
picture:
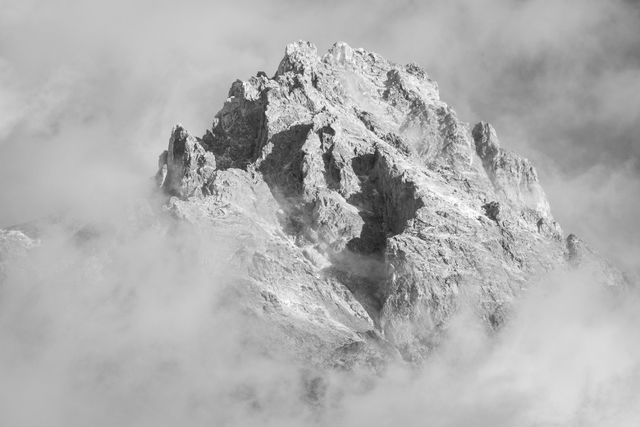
column 513, row 177
column 300, row 57
column 186, row 166
column 486, row 142
column 374, row 213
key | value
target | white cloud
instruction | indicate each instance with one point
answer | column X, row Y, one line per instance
column 88, row 94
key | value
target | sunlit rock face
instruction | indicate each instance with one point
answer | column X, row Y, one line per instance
column 369, row 212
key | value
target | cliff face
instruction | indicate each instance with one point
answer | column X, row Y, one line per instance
column 369, row 212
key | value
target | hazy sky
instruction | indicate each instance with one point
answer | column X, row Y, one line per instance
column 126, row 334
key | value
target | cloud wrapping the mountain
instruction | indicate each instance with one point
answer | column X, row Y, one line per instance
column 130, row 333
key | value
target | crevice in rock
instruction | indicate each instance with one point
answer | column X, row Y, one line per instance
column 282, row 168
column 237, row 134
column 331, row 169
column 492, row 211
column 401, row 201
column 369, row 202
column 386, row 203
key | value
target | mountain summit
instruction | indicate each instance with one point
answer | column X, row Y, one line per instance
column 369, row 213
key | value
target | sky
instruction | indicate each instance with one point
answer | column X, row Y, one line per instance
column 89, row 92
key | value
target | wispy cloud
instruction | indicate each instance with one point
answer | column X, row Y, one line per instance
column 88, row 94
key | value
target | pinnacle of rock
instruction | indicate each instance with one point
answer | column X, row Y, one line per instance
column 300, row 57
column 486, row 141
column 186, row 166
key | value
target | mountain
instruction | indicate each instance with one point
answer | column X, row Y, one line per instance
column 369, row 212
column 358, row 214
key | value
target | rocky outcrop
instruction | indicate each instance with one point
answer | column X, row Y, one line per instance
column 186, row 168
column 578, row 254
column 513, row 177
column 14, row 244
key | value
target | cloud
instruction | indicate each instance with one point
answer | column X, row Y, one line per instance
column 123, row 332
column 565, row 359
column 601, row 210
column 131, row 327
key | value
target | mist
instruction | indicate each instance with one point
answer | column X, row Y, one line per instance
column 139, row 324
column 130, row 326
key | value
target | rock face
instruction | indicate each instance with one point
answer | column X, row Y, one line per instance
column 186, row 166
column 369, row 212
